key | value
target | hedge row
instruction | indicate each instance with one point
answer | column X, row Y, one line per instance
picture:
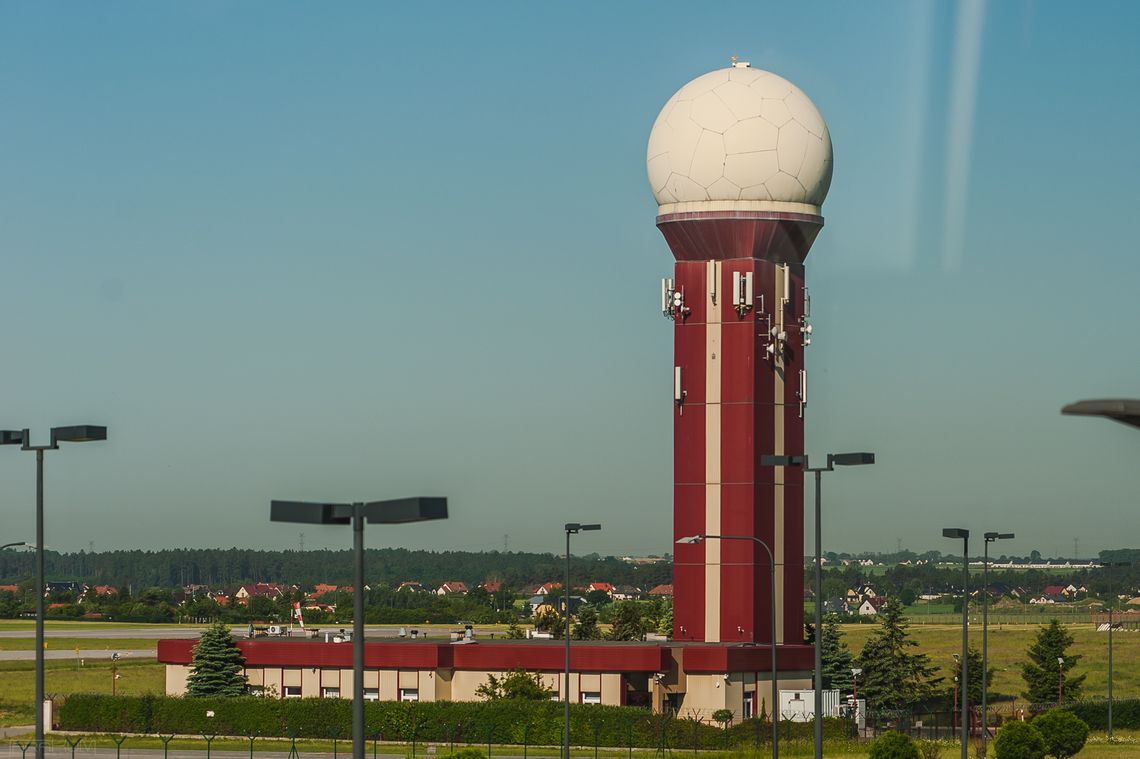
column 501, row 722
column 1125, row 713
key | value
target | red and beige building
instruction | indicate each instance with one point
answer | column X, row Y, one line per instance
column 739, row 161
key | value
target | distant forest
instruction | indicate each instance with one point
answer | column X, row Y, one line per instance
column 391, row 566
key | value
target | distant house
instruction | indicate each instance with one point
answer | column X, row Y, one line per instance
column 10, row 589
column 321, row 589
column 1056, row 592
column 1042, row 600
column 102, row 591
column 411, row 586
column 258, row 590
column 661, row 591
column 453, row 588
column 546, row 588
column 491, row 586
column 871, row 606
column 626, row 593
column 605, row 587
column 556, row 603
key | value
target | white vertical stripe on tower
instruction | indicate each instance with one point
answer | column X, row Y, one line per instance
column 712, row 453
column 778, row 449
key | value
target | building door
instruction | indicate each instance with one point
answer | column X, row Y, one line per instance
column 746, row 711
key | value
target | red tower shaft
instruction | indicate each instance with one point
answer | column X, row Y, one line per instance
column 740, row 309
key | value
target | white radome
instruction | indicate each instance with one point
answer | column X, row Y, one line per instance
column 739, row 139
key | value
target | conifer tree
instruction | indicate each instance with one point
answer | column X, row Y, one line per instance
column 836, row 660
column 216, row 666
column 1043, row 674
column 586, row 627
column 893, row 677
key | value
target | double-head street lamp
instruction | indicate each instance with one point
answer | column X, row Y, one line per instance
column 775, row 703
column 1123, row 410
column 75, row 434
column 833, row 460
column 396, row 511
column 572, row 528
column 964, row 535
column 1126, row 411
column 990, row 537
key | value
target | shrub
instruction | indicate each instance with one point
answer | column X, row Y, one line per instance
column 894, row 745
column 930, row 749
column 465, row 753
column 1064, row 732
column 1019, row 740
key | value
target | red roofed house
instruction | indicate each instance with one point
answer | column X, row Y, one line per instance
column 10, row 588
column 266, row 589
column 105, row 590
column 546, row 588
column 454, row 588
column 607, row 588
column 491, row 586
column 662, row 591
column 322, row 588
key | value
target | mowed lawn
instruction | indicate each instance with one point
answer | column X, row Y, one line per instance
column 70, row 644
column 63, row 677
column 1007, row 647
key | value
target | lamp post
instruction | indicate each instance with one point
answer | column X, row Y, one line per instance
column 775, row 702
column 1060, row 679
column 989, row 538
column 855, row 672
column 12, row 545
column 1111, row 605
column 957, row 532
column 833, row 460
column 1126, row 411
column 396, row 511
column 74, row 434
column 572, row 528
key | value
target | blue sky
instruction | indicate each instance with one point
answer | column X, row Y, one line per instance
column 365, row 251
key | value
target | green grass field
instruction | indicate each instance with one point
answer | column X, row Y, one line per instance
column 1007, row 646
column 69, row 644
column 63, row 677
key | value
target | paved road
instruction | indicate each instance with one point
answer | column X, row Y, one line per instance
column 84, row 653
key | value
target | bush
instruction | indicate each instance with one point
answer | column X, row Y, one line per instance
column 1064, row 732
column 930, row 749
column 503, row 722
column 465, row 753
column 1125, row 713
column 1019, row 740
column 894, row 745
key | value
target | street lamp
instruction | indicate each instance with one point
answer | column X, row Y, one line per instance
column 989, row 538
column 775, row 702
column 13, row 545
column 1060, row 679
column 74, row 434
column 397, row 511
column 957, row 532
column 1123, row 410
column 572, row 528
column 833, row 460
column 1111, row 604
column 855, row 672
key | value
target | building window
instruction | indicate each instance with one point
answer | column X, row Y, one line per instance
column 292, row 691
column 409, row 694
column 330, row 692
column 371, row 694
column 747, row 710
column 591, row 697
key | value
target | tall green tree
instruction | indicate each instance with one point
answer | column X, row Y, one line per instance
column 586, row 628
column 665, row 626
column 974, row 673
column 837, row 660
column 1043, row 673
column 628, row 623
column 893, row 676
column 216, row 665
